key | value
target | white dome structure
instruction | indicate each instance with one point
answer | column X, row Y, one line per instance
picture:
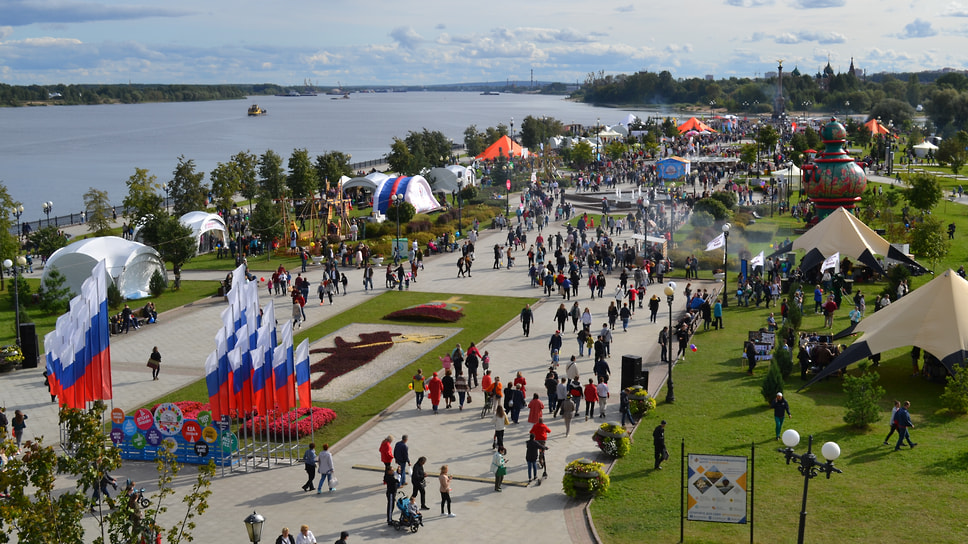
column 129, row 264
column 415, row 190
column 206, row 227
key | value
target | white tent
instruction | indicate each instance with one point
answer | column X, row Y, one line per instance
column 204, row 225
column 415, row 190
column 787, row 173
column 922, row 149
column 448, row 179
column 129, row 264
column 368, row 182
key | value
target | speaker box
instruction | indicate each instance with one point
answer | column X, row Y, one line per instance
column 631, row 370
column 29, row 345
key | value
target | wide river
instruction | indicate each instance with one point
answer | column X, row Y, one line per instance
column 57, row 153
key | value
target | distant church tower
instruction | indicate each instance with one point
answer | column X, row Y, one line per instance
column 851, row 71
column 779, row 104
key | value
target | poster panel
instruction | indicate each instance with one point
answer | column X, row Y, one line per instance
column 717, row 488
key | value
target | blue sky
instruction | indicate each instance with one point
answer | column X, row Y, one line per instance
column 384, row 42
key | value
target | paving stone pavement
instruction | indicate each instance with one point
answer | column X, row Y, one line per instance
column 460, row 439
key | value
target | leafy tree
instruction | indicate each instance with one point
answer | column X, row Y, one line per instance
column 246, row 164
column 614, row 150
column 331, row 167
column 401, row 159
column 226, row 182
column 728, row 198
column 702, row 219
column 419, row 150
column 929, row 241
column 474, row 141
column 272, row 179
column 266, row 220
column 9, row 242
column 581, row 154
column 188, row 193
column 538, row 130
column 955, row 396
column 404, row 210
column 47, row 240
column 492, row 134
column 748, row 154
column 863, row 395
column 302, row 179
column 892, row 110
column 772, row 383
column 54, row 295
column 143, row 199
column 713, row 207
column 766, row 138
column 925, row 192
column 98, row 211
column 952, row 151
column 783, row 357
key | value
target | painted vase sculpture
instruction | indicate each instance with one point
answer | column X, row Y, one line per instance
column 834, row 180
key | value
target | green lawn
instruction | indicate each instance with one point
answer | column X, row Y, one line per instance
column 483, row 315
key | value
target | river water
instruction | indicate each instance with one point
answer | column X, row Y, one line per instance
column 57, row 153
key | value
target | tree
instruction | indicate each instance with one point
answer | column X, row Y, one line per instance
column 39, row 510
column 302, row 179
column 401, row 159
column 143, row 199
column 952, row 151
column 175, row 242
column 9, row 241
column 331, row 167
column 405, row 211
column 581, row 154
column 266, row 221
column 419, row 150
column 892, row 110
column 924, row 193
column 863, row 395
column 188, row 193
column 538, row 130
column 47, row 240
column 54, row 295
column 246, row 164
column 226, row 182
column 928, row 240
column 766, row 138
column 614, row 150
column 474, row 141
column 748, row 154
column 272, row 179
column 98, row 211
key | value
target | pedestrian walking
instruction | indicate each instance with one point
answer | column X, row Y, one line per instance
column 417, row 385
column 780, row 408
column 401, row 453
column 500, row 422
column 897, row 406
column 445, row 489
column 390, row 481
column 531, row 448
column 309, row 460
column 658, row 442
column 154, row 362
column 18, row 425
column 567, row 407
column 285, row 537
column 326, row 469
column 527, row 318
column 419, row 481
column 625, row 406
column 343, row 535
column 386, row 451
column 305, row 536
column 499, row 467
column 903, row 421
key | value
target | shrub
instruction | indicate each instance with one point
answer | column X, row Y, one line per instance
column 640, row 402
column 955, row 396
column 156, row 284
column 772, row 383
column 114, row 296
column 54, row 295
column 702, row 219
column 713, row 207
column 405, row 210
column 468, row 193
column 794, row 315
column 783, row 358
column 863, row 395
column 728, row 198
column 446, row 217
column 585, row 477
column 419, row 225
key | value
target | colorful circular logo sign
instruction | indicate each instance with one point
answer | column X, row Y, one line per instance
column 154, row 437
column 117, row 436
column 201, row 449
column 129, row 427
column 143, row 419
column 209, row 434
column 191, row 431
column 230, row 442
column 117, row 416
column 204, row 418
column 138, row 441
column 170, row 444
column 169, row 419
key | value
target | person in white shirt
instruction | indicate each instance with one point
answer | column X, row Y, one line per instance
column 305, row 536
column 602, row 396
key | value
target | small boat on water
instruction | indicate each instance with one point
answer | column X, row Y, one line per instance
column 490, row 93
column 346, row 96
column 255, row 110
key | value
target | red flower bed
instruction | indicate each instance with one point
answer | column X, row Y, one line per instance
column 348, row 356
column 294, row 424
column 189, row 408
column 435, row 311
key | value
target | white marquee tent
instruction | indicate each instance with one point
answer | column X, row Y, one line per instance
column 204, row 224
column 129, row 264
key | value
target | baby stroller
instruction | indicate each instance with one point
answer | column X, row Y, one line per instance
column 410, row 516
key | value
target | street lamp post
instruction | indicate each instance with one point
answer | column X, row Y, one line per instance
column 20, row 262
column 253, row 527
column 670, row 292
column 712, row 105
column 397, row 201
column 645, row 205
column 237, row 222
column 48, row 206
column 726, row 227
column 809, row 467
column 17, row 212
column 460, row 206
column 167, row 190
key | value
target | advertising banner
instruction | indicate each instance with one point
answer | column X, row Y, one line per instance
column 717, row 488
column 142, row 435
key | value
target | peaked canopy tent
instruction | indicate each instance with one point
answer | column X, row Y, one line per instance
column 368, row 182
column 204, row 226
column 129, row 264
column 414, row 189
column 501, row 148
column 922, row 149
column 876, row 127
column 933, row 317
column 842, row 232
column 694, row 124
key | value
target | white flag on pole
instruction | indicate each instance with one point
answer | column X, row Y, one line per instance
column 830, row 262
column 716, row 242
column 757, row 261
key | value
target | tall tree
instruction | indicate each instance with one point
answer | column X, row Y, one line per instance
column 143, row 199
column 226, row 181
column 9, row 243
column 924, row 193
column 266, row 221
column 538, row 130
column 474, row 141
column 188, row 192
column 331, row 167
column 47, row 240
column 302, row 179
column 247, row 166
column 98, row 211
column 176, row 243
column 401, row 159
column 272, row 178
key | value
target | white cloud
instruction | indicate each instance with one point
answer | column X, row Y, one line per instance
column 406, row 36
column 749, row 3
column 818, row 4
column 809, row 36
column 955, row 9
column 625, row 9
column 919, row 28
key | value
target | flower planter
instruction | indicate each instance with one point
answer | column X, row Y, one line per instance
column 377, row 261
column 585, row 478
column 609, row 434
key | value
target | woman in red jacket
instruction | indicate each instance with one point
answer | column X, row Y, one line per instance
column 591, row 397
column 435, row 388
column 386, row 451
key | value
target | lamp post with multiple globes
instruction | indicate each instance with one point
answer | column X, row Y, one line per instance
column 397, row 200
column 48, row 206
column 809, row 467
column 20, row 262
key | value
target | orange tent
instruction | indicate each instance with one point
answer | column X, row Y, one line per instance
column 876, row 128
column 500, row 148
column 694, row 124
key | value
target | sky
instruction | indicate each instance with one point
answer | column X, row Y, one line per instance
column 411, row 42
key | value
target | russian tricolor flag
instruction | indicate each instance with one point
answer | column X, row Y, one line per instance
column 302, row 375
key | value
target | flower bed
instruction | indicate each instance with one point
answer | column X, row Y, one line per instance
column 348, row 356
column 10, row 357
column 640, row 402
column 434, row 311
column 585, row 477
column 294, row 423
column 613, row 440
